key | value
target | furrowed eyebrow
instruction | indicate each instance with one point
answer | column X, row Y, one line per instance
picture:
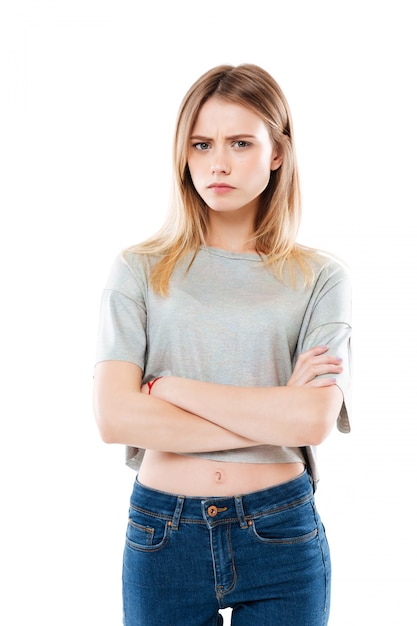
column 199, row 138
column 230, row 138
column 241, row 136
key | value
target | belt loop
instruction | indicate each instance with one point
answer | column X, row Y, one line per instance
column 240, row 512
column 177, row 512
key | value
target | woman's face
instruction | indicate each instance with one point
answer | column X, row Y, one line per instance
column 230, row 156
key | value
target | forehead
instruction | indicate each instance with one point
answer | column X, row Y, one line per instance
column 218, row 115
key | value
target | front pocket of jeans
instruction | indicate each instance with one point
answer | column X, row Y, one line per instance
column 290, row 526
column 146, row 533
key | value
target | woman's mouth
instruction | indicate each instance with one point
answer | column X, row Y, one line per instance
column 220, row 187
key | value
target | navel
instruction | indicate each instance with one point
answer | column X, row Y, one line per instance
column 218, row 476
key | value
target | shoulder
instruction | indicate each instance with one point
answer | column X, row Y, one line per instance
column 128, row 272
column 310, row 269
column 327, row 266
column 332, row 288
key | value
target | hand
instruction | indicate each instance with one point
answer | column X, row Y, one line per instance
column 313, row 363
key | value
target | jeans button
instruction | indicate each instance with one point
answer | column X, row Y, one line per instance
column 212, row 510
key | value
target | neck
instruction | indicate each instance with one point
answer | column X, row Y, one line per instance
column 227, row 233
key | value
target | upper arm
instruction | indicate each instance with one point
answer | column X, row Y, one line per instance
column 328, row 322
column 123, row 315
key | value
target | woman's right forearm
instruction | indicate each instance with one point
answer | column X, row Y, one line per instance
column 125, row 415
column 150, row 423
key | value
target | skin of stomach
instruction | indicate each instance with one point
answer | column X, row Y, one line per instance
column 191, row 476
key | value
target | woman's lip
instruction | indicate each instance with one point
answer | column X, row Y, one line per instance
column 220, row 187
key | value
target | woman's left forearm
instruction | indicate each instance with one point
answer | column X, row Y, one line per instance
column 286, row 416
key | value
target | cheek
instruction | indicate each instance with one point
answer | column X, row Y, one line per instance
column 259, row 166
column 196, row 180
column 194, row 171
column 261, row 175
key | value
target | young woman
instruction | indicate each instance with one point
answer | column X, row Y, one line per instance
column 223, row 360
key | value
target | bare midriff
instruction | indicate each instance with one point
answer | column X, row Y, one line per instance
column 191, row 476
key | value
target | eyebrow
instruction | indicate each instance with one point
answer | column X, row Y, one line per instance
column 230, row 138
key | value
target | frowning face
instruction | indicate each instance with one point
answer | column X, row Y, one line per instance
column 230, row 156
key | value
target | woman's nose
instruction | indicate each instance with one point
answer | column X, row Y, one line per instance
column 220, row 163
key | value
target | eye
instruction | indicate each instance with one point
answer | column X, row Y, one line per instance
column 201, row 145
column 241, row 143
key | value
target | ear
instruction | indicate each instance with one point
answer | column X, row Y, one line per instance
column 276, row 161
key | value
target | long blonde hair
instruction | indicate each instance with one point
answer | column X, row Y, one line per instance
column 279, row 213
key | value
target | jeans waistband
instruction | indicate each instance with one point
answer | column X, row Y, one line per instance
column 221, row 509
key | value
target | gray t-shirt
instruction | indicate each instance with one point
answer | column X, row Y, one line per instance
column 227, row 319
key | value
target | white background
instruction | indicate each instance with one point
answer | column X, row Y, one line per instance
column 89, row 92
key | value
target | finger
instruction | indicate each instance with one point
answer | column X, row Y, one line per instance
column 317, row 383
column 323, row 358
column 314, row 351
column 317, row 369
column 306, row 374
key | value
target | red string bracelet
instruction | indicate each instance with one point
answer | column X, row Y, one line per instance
column 151, row 384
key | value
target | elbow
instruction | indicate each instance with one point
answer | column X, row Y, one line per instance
column 324, row 417
column 107, row 434
column 116, row 392
column 105, row 430
column 319, row 431
column 105, row 422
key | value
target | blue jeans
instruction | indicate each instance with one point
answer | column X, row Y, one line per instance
column 264, row 554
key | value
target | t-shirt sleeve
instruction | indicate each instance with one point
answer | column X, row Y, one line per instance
column 122, row 317
column 328, row 322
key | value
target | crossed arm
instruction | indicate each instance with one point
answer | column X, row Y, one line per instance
column 184, row 415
